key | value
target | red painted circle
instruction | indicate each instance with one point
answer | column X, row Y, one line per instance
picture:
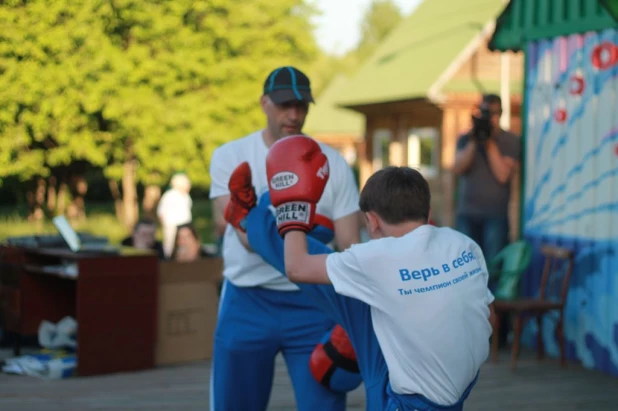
column 577, row 85
column 604, row 55
column 560, row 115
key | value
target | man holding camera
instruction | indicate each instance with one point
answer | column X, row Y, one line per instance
column 487, row 157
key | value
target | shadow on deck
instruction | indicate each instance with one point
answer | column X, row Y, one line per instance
column 533, row 386
column 543, row 385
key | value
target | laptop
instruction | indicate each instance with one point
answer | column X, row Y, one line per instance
column 71, row 238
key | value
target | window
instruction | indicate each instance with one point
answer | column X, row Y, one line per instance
column 381, row 144
column 423, row 150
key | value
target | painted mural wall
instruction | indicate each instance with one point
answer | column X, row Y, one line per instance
column 571, row 185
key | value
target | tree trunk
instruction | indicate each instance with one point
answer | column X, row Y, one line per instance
column 52, row 197
column 79, row 190
column 61, row 201
column 129, row 193
column 37, row 201
column 31, row 204
column 115, row 190
column 152, row 194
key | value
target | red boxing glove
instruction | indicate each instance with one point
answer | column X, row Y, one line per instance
column 333, row 362
column 297, row 172
column 242, row 196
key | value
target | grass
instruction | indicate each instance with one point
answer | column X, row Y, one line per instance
column 101, row 220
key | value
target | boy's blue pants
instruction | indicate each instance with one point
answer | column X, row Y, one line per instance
column 353, row 315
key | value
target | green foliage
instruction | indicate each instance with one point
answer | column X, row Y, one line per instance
column 101, row 221
column 161, row 82
column 379, row 19
column 40, row 118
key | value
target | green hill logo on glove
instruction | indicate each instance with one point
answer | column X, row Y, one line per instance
column 283, row 180
column 294, row 212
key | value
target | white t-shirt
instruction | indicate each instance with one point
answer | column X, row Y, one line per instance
column 175, row 208
column 429, row 307
column 340, row 198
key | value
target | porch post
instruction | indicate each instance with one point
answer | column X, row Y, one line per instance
column 365, row 162
column 505, row 90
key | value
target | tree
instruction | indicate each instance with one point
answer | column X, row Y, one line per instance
column 140, row 88
column 378, row 21
column 201, row 77
column 43, row 126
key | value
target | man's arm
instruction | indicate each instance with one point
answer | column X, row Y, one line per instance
column 345, row 208
column 218, row 208
column 243, row 239
column 221, row 167
column 464, row 157
column 220, row 174
column 300, row 266
column 347, row 231
column 501, row 166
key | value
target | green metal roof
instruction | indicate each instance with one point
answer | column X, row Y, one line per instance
column 529, row 20
column 419, row 50
column 326, row 117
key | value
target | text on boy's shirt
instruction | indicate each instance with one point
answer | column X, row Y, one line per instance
column 426, row 273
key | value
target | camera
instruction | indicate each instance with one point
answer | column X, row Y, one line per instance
column 481, row 126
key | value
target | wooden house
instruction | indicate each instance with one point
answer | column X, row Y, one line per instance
column 417, row 91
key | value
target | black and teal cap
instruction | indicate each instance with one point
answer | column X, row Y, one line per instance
column 286, row 84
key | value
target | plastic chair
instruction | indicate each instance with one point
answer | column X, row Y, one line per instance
column 507, row 267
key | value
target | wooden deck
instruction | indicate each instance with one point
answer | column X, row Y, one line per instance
column 533, row 386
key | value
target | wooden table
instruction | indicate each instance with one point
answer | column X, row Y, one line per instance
column 113, row 299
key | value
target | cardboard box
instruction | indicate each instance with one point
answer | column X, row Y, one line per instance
column 187, row 312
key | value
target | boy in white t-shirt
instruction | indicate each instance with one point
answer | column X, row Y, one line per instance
column 425, row 316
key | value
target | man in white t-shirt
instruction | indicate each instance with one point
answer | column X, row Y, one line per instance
column 426, row 286
column 261, row 313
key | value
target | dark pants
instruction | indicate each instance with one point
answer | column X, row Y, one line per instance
column 492, row 235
